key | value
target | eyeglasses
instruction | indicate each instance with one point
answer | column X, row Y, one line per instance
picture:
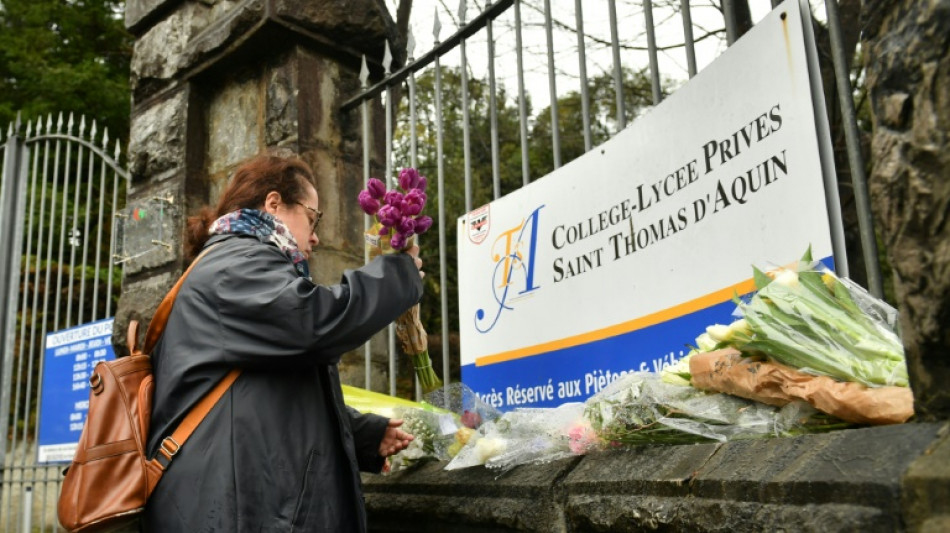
column 317, row 214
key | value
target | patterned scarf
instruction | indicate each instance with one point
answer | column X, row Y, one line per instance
column 265, row 227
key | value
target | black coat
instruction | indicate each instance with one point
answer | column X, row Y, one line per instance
column 280, row 451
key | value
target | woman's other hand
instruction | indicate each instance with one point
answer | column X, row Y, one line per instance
column 394, row 439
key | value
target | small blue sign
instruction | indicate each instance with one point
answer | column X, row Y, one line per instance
column 68, row 359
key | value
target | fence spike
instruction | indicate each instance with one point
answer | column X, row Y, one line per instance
column 105, row 139
column 82, row 125
column 410, row 44
column 387, row 58
column 49, row 122
column 364, row 73
column 69, row 125
column 436, row 25
column 39, row 126
column 117, row 151
column 29, row 128
column 9, row 130
column 92, row 131
column 59, row 123
column 462, row 10
column 16, row 127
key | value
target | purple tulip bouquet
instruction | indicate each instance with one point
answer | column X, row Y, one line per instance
column 398, row 218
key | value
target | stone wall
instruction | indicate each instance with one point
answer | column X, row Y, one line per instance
column 882, row 479
column 218, row 81
column 906, row 46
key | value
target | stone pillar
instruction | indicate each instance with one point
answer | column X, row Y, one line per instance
column 907, row 50
column 218, row 81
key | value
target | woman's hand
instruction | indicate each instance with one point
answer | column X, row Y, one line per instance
column 394, row 440
column 414, row 252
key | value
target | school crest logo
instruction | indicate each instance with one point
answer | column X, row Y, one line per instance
column 478, row 222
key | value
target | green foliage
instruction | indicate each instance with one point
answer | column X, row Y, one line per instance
column 58, row 55
column 602, row 104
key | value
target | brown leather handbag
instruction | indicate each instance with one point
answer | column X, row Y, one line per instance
column 110, row 478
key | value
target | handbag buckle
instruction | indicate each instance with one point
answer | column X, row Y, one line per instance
column 170, row 447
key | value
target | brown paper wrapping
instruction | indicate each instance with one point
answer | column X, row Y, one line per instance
column 409, row 329
column 776, row 384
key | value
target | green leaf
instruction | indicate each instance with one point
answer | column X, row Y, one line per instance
column 760, row 278
column 806, row 258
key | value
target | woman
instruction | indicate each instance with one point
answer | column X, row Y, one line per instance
column 279, row 451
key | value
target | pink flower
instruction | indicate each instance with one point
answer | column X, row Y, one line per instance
column 471, row 419
column 408, row 178
column 384, row 230
column 422, row 183
column 389, row 215
column 582, row 439
column 407, row 226
column 398, row 241
column 376, row 188
column 368, row 204
column 413, row 202
column 393, row 198
column 423, row 224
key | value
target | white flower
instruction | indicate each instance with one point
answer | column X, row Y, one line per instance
column 786, row 277
column 705, row 343
column 719, row 333
column 488, row 447
column 740, row 326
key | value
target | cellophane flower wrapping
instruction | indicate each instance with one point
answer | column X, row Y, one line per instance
column 640, row 408
column 637, row 409
column 809, row 319
column 522, row 436
column 439, row 433
column 438, row 436
column 460, row 399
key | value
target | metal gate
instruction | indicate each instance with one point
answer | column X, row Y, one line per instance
column 61, row 186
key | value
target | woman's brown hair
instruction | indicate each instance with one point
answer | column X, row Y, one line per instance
column 252, row 181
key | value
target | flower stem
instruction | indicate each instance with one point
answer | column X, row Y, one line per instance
column 428, row 380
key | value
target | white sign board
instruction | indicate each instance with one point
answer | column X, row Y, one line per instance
column 618, row 260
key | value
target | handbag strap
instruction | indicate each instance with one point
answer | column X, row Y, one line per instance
column 157, row 325
column 172, row 443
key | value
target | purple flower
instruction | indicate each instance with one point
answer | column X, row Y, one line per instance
column 376, row 188
column 398, row 241
column 421, row 184
column 423, row 224
column 393, row 198
column 471, row 419
column 407, row 226
column 368, row 204
column 384, row 230
column 389, row 215
column 413, row 203
column 408, row 178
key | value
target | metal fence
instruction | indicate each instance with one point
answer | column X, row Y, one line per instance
column 61, row 186
column 447, row 111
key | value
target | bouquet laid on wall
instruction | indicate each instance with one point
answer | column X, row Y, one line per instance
column 398, row 218
column 439, row 433
column 809, row 335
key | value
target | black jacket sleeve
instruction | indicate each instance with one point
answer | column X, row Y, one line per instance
column 266, row 312
column 368, row 431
